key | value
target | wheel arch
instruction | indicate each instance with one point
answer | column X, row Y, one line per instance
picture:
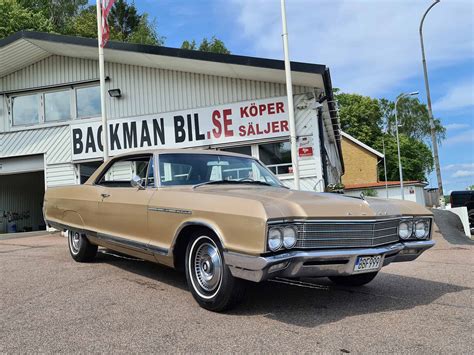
column 183, row 236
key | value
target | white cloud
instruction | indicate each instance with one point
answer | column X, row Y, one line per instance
column 456, row 126
column 459, row 96
column 451, row 167
column 463, row 173
column 467, row 137
column 370, row 46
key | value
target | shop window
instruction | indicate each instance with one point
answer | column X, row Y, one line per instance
column 88, row 102
column 245, row 149
column 57, row 106
column 25, row 109
column 276, row 156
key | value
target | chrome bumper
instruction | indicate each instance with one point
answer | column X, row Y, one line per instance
column 318, row 263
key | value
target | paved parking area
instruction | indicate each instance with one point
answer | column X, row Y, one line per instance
column 49, row 303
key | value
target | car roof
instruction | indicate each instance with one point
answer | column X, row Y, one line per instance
column 181, row 151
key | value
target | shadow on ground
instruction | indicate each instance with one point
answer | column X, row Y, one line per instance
column 312, row 302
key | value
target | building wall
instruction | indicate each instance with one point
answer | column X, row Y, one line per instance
column 412, row 193
column 144, row 91
column 360, row 165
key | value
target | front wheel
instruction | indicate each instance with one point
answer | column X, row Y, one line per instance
column 209, row 278
column 354, row 280
column 80, row 248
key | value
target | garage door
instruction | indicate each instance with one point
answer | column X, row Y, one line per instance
column 21, row 194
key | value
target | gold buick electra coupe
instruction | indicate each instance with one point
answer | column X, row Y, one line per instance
column 226, row 219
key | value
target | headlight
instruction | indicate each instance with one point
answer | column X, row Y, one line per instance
column 275, row 239
column 422, row 229
column 405, row 229
column 289, row 237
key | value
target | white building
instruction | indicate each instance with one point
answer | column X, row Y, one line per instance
column 412, row 190
column 50, row 113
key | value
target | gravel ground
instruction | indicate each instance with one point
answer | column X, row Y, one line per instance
column 49, row 303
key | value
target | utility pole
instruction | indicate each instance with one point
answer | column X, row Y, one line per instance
column 434, row 142
column 289, row 92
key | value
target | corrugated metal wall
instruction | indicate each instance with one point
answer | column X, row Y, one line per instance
column 145, row 91
column 21, row 193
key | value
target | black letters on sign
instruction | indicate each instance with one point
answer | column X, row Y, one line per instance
column 90, row 141
column 130, row 135
column 114, row 138
column 158, row 131
column 179, row 131
column 77, row 145
column 145, row 136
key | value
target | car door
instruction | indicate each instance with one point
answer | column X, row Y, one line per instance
column 122, row 210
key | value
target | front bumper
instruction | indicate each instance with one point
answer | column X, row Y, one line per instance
column 318, row 263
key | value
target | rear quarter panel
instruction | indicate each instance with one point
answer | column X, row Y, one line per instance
column 74, row 206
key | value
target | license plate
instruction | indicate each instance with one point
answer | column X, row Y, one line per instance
column 365, row 263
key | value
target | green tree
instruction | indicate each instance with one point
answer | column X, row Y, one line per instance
column 361, row 117
column 59, row 12
column 15, row 18
column 413, row 119
column 215, row 45
column 417, row 160
column 84, row 24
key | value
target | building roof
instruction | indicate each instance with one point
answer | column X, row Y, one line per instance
column 382, row 184
column 362, row 145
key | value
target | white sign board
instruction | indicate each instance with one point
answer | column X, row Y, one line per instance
column 235, row 122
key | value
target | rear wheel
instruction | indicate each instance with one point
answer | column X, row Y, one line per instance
column 80, row 248
column 209, row 278
column 354, row 280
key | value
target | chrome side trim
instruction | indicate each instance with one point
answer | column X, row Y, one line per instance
column 169, row 210
column 119, row 241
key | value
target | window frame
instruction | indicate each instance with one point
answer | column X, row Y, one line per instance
column 127, row 157
column 41, row 109
column 75, row 88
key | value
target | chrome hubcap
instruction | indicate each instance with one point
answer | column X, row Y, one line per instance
column 208, row 266
column 75, row 241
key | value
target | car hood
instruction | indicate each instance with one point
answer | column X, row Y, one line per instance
column 281, row 203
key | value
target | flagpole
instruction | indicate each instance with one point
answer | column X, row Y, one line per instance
column 105, row 138
column 289, row 92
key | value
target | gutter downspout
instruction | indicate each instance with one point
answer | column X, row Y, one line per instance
column 322, row 148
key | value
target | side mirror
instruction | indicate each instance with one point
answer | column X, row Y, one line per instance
column 137, row 182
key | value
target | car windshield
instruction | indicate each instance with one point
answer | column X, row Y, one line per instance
column 196, row 169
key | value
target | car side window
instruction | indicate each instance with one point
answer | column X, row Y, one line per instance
column 120, row 173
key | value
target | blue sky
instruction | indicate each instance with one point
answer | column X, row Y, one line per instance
column 371, row 46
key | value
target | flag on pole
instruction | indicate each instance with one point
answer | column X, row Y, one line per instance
column 105, row 6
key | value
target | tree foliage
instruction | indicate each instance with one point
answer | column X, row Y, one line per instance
column 413, row 119
column 16, row 18
column 57, row 11
column 361, row 117
column 77, row 18
column 215, row 45
column 367, row 119
column 417, row 160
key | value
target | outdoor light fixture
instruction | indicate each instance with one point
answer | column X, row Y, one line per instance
column 115, row 93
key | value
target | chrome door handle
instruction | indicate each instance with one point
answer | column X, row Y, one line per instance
column 104, row 195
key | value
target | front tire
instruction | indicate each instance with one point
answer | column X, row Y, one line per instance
column 209, row 278
column 80, row 248
column 354, row 280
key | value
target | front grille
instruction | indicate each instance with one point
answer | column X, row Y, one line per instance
column 345, row 234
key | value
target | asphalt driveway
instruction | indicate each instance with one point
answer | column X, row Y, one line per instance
column 49, row 303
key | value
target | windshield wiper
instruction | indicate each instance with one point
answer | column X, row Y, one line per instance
column 215, row 182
